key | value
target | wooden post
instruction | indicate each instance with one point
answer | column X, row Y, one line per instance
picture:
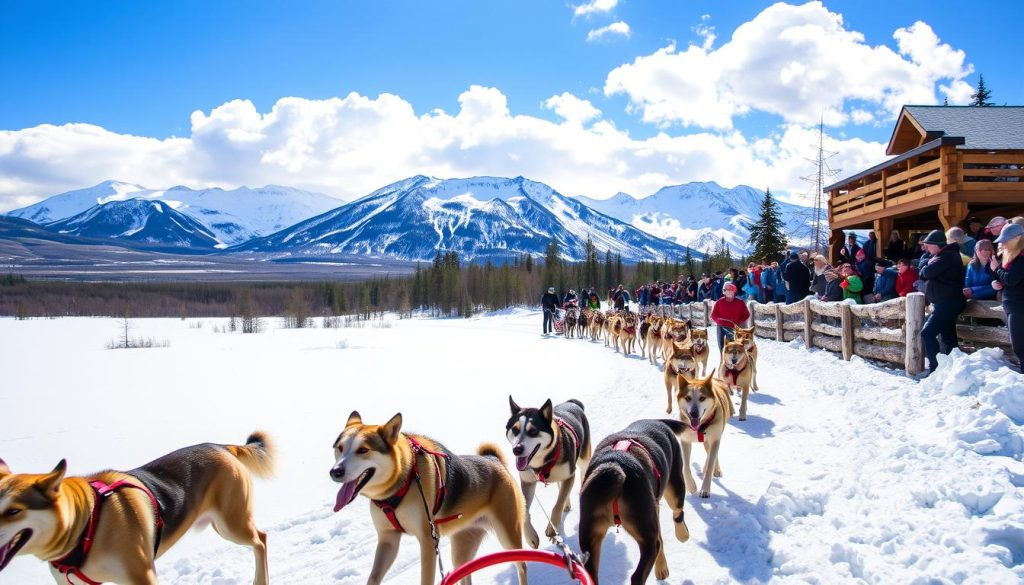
column 808, row 320
column 750, row 309
column 846, row 321
column 883, row 227
column 835, row 244
column 779, row 331
column 707, row 313
column 913, row 360
column 952, row 213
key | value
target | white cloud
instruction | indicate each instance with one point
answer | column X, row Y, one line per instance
column 571, row 108
column 595, row 7
column 619, row 28
column 350, row 146
column 798, row 62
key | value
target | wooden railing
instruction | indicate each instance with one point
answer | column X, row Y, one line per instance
column 888, row 332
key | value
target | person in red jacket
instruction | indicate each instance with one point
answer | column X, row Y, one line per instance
column 728, row 313
column 906, row 277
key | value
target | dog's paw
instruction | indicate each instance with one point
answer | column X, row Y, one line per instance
column 532, row 538
column 743, row 417
column 568, row 505
column 705, row 493
column 661, row 573
column 718, row 473
column 668, row 411
column 550, row 532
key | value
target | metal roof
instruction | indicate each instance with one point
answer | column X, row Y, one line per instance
column 982, row 128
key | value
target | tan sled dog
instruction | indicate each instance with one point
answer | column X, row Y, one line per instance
column 705, row 406
column 672, row 330
column 737, row 372
column 680, row 362
column 466, row 493
column 654, row 339
column 699, row 339
column 746, row 336
column 627, row 334
column 112, row 526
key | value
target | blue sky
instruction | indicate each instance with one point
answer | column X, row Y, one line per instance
column 142, row 68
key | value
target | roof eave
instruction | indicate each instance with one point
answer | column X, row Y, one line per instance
column 943, row 141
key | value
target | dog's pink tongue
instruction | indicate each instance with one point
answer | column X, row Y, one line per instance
column 694, row 423
column 522, row 462
column 346, row 494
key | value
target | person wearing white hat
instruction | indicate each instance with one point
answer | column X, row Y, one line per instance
column 549, row 302
column 1009, row 279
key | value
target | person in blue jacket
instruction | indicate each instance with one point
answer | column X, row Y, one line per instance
column 978, row 281
column 885, row 281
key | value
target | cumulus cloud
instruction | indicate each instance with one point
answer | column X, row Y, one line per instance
column 350, row 146
column 798, row 62
column 619, row 28
column 595, row 7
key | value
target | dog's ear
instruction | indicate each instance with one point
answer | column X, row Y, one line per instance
column 49, row 484
column 547, row 411
column 353, row 419
column 512, row 405
column 683, row 380
column 707, row 380
column 4, row 470
column 391, row 429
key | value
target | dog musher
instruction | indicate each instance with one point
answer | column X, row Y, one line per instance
column 727, row 313
column 620, row 299
column 549, row 302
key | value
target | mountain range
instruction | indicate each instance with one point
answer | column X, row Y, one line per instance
column 479, row 217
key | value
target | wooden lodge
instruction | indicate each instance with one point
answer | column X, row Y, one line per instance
column 949, row 163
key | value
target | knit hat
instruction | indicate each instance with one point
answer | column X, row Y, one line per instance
column 883, row 263
column 935, row 237
column 793, row 256
column 1011, row 231
column 729, row 287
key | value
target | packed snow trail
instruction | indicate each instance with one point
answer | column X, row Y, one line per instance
column 843, row 473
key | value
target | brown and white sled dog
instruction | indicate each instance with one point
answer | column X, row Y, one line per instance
column 737, row 371
column 111, row 526
column 705, row 407
column 550, row 444
column 699, row 339
column 746, row 337
column 627, row 334
column 680, row 362
column 653, row 339
column 673, row 330
column 629, row 474
column 467, row 494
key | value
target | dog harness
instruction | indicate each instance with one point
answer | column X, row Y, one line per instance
column 625, row 445
column 734, row 374
column 71, row 563
column 389, row 505
column 545, row 471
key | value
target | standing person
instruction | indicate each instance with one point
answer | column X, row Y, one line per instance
column 851, row 284
column 717, row 283
column 728, row 313
column 848, row 255
column 754, row 276
column 780, row 282
column 955, row 235
column 798, row 279
column 691, row 289
column 917, row 250
column 818, row 275
column 1010, row 280
column 871, row 245
column 978, row 282
column 944, row 277
column 620, row 299
column 906, row 276
column 768, row 281
column 549, row 302
column 866, row 269
column 751, row 291
column 896, row 248
column 885, row 281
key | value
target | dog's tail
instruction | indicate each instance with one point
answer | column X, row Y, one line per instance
column 492, row 450
column 257, row 455
column 577, row 403
column 602, row 486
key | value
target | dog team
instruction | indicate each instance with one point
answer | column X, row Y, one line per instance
column 112, row 526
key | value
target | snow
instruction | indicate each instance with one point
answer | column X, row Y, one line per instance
column 844, row 472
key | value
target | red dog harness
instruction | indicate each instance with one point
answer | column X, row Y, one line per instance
column 703, row 427
column 389, row 505
column 734, row 374
column 544, row 472
column 71, row 563
column 625, row 445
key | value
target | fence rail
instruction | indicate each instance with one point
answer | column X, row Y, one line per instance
column 888, row 331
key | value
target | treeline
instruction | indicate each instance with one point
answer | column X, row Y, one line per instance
column 444, row 287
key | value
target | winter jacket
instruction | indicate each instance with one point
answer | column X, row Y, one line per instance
column 833, row 291
column 706, row 291
column 866, row 268
column 895, row 250
column 848, row 255
column 871, row 248
column 905, row 282
column 595, row 303
column 549, row 301
column 1012, row 278
column 885, row 284
column 798, row 279
column 620, row 298
column 751, row 291
column 730, row 313
column 755, row 276
column 716, row 289
column 968, row 247
column 768, row 279
column 852, row 288
column 818, row 283
column 570, row 299
column 979, row 279
column 944, row 275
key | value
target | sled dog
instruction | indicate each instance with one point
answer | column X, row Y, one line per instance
column 705, row 407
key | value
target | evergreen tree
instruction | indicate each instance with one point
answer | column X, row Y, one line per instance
column 982, row 95
column 553, row 266
column 618, row 270
column 691, row 265
column 945, row 101
column 609, row 272
column 766, row 234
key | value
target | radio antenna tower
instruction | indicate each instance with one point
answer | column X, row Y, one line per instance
column 822, row 173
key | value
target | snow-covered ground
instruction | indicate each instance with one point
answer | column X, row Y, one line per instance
column 843, row 473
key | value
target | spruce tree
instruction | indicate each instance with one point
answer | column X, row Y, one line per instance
column 981, row 96
column 766, row 234
column 609, row 273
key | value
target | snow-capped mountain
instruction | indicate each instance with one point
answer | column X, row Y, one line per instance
column 699, row 214
column 233, row 216
column 477, row 217
column 137, row 220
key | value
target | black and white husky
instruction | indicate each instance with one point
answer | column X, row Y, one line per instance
column 550, row 444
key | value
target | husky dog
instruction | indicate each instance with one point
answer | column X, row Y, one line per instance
column 551, row 444
column 699, row 339
column 704, row 405
column 746, row 337
column 672, row 330
column 467, row 493
column 681, row 361
column 737, row 372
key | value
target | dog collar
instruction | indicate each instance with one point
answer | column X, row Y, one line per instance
column 545, row 471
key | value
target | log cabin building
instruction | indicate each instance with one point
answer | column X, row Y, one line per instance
column 949, row 163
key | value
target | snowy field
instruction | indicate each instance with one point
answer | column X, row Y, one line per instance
column 843, row 473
